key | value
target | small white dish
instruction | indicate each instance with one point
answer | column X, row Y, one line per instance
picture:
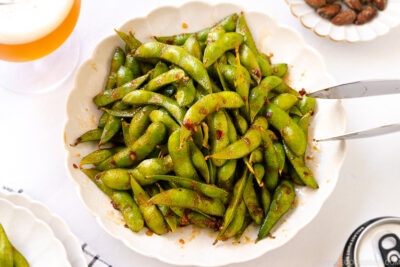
column 58, row 226
column 32, row 237
column 380, row 25
column 189, row 245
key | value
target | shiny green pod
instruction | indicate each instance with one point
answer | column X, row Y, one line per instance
column 153, row 136
column 259, row 172
column 142, row 97
column 98, row 156
column 237, row 222
column 171, row 76
column 249, row 60
column 129, row 39
column 185, row 93
column 112, row 127
column 205, row 106
column 226, row 175
column 163, row 116
column 140, row 122
column 133, row 64
column 243, row 29
column 159, row 69
column 279, row 69
column 18, row 259
column 181, row 159
column 152, row 216
column 199, row 162
column 281, row 156
column 6, row 252
column 265, row 65
column 117, row 60
column 265, row 198
column 216, row 49
column 178, row 56
column 218, row 126
column 281, row 203
column 292, row 134
column 185, row 198
column 307, row 105
column 285, row 101
column 124, row 75
column 192, row 45
column 251, row 201
column 91, row 135
column 149, row 167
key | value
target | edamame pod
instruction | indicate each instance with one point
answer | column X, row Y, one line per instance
column 124, row 75
column 259, row 94
column 205, row 189
column 307, row 105
column 185, row 198
column 18, row 259
column 237, row 222
column 280, row 69
column 216, row 49
column 199, row 162
column 91, row 135
column 117, row 60
column 153, row 136
column 159, row 69
column 259, row 172
column 181, row 159
column 280, row 153
column 111, row 95
column 133, row 64
column 256, row 156
column 265, row 65
column 226, row 174
column 6, row 253
column 300, row 167
column 165, row 78
column 142, row 97
column 185, row 93
column 149, row 167
column 218, row 126
column 152, row 216
column 243, row 29
column 249, row 60
column 129, row 39
column 265, row 199
column 251, row 201
column 113, row 125
column 292, row 134
column 205, row 106
column 192, row 45
column 163, row 116
column 285, row 101
column 117, row 179
column 140, row 122
column 177, row 56
column 282, row 201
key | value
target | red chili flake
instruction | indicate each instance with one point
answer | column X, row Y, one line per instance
column 218, row 106
column 114, row 205
column 182, row 241
column 149, row 233
column 257, row 73
column 188, row 124
column 305, row 173
column 126, row 226
column 275, row 69
column 302, row 91
column 170, row 41
column 203, row 110
column 75, row 166
column 112, row 162
column 269, row 114
column 244, row 98
column 219, row 134
column 247, row 140
column 266, row 100
column 271, row 55
column 132, row 155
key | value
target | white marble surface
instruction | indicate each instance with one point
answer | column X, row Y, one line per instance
column 32, row 153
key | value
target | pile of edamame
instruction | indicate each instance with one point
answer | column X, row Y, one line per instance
column 9, row 255
column 199, row 128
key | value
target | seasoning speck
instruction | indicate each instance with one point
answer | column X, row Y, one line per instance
column 184, row 25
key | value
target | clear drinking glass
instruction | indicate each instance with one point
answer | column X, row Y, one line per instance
column 35, row 55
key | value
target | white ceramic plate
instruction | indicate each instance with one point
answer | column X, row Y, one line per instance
column 59, row 228
column 380, row 25
column 192, row 246
column 32, row 237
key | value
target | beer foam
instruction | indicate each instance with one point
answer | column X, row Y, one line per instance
column 26, row 21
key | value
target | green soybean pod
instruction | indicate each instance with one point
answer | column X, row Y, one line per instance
column 125, row 132
column 259, row 94
column 256, row 156
column 117, row 60
column 281, row 156
column 232, row 134
column 251, row 201
column 133, row 64
column 265, row 65
column 240, row 122
column 185, row 93
column 142, row 97
column 295, row 111
column 282, row 201
column 201, row 221
column 295, row 177
column 171, row 76
column 259, row 172
column 113, row 125
column 123, row 201
column 171, row 219
column 215, row 34
column 149, row 167
column 271, row 162
column 111, row 95
column 117, row 179
column 237, row 222
column 205, row 189
column 205, row 106
column 216, row 49
column 126, row 113
column 246, row 223
column 234, row 203
column 18, row 259
column 306, row 104
column 279, row 69
column 6, row 253
column 199, row 162
column 284, row 88
column 91, row 135
column 265, row 199
column 163, row 116
column 300, row 167
column 249, row 60
column 185, row 198
column 226, row 175
column 153, row 136
column 213, row 171
column 192, row 45
column 285, row 101
column 291, row 133
column 102, row 120
column 178, row 56
column 96, row 156
column 218, row 126
column 242, row 85
column 129, row 39
column 181, row 159
column 159, row 69
column 303, row 123
column 140, row 122
column 152, row 216
column 243, row 29
column 124, row 75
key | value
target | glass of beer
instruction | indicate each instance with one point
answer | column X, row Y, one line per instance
column 35, row 55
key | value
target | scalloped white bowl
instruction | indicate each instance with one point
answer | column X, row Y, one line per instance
column 58, row 226
column 380, row 25
column 190, row 245
column 32, row 237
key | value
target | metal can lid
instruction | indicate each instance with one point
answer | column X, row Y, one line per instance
column 374, row 243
